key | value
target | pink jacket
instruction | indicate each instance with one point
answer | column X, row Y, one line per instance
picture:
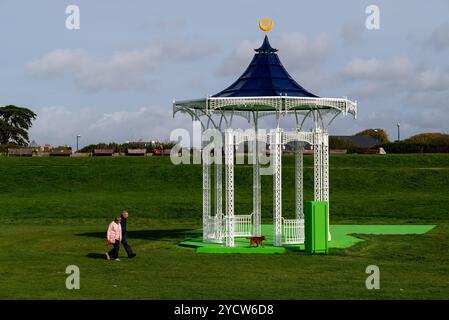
column 114, row 232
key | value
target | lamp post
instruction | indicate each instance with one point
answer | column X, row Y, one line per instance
column 399, row 131
column 77, row 142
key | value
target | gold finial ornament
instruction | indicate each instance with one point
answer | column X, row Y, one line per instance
column 266, row 24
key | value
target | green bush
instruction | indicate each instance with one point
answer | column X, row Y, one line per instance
column 61, row 148
column 122, row 148
column 168, row 144
column 430, row 137
column 4, row 147
column 90, row 148
column 360, row 150
column 379, row 134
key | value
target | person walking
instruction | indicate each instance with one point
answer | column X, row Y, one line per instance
column 128, row 249
column 114, row 236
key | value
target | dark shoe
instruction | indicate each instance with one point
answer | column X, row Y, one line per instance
column 132, row 255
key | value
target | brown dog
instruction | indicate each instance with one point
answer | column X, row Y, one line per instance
column 256, row 241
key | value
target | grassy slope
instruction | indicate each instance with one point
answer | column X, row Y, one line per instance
column 54, row 212
column 368, row 187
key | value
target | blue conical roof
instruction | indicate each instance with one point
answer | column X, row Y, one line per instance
column 265, row 76
column 266, row 47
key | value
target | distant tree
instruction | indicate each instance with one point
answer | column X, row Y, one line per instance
column 378, row 134
column 14, row 124
column 430, row 137
column 168, row 144
column 34, row 144
column 61, row 148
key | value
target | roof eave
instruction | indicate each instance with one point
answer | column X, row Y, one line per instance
column 284, row 103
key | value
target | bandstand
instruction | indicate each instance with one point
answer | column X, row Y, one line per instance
column 264, row 89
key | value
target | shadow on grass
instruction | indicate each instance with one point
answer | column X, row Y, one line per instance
column 161, row 234
column 93, row 255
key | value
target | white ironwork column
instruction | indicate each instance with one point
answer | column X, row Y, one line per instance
column 325, row 174
column 229, row 164
column 256, row 189
column 317, row 165
column 299, row 176
column 276, row 148
column 218, row 199
column 206, row 195
column 321, row 169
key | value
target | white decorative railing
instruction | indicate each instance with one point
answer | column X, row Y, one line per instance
column 279, row 103
column 243, row 225
column 293, row 231
column 215, row 229
column 289, row 136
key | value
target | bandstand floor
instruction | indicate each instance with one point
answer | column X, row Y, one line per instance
column 343, row 236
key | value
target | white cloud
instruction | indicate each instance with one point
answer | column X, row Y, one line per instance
column 434, row 79
column 59, row 125
column 300, row 52
column 374, row 77
column 124, row 70
column 414, row 119
column 398, row 90
column 374, row 69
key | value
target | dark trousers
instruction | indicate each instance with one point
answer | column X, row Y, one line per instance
column 127, row 247
column 114, row 251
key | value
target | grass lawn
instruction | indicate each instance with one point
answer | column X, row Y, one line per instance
column 54, row 213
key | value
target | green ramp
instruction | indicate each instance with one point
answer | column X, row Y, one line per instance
column 341, row 238
column 341, row 234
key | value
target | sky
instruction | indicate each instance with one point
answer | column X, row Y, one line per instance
column 115, row 78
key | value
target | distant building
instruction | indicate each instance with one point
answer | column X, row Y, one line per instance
column 360, row 141
column 46, row 147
